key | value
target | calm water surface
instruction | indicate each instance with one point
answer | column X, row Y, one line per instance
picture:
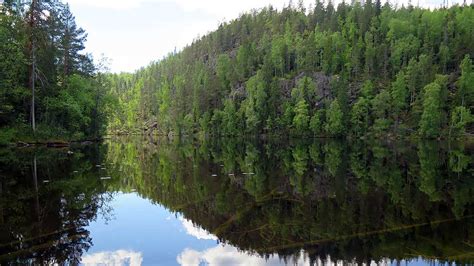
column 238, row 202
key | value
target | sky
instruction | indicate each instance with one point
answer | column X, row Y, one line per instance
column 133, row 33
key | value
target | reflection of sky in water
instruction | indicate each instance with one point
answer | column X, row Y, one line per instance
column 141, row 233
column 119, row 257
column 139, row 227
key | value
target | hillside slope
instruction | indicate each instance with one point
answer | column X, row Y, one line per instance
column 329, row 71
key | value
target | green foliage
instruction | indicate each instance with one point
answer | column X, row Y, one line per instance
column 230, row 124
column 45, row 78
column 380, row 126
column 6, row 136
column 255, row 105
column 204, row 123
column 223, row 71
column 431, row 119
column 245, row 61
column 305, row 90
column 301, row 118
column 268, row 71
column 334, row 124
column 12, row 71
column 360, row 117
column 399, row 94
column 367, row 89
column 316, row 124
column 279, row 55
column 381, row 104
column 188, row 124
column 286, row 120
column 465, row 84
column 253, row 74
column 461, row 117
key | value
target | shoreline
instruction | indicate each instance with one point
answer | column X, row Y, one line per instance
column 61, row 143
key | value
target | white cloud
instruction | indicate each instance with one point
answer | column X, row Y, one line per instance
column 215, row 7
column 119, row 257
column 229, row 255
column 197, row 232
column 227, row 9
column 189, row 257
column 115, row 4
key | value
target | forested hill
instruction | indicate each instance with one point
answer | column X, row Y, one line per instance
column 353, row 70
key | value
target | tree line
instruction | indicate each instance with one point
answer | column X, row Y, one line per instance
column 48, row 86
column 346, row 70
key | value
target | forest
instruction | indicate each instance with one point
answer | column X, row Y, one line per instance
column 351, row 70
column 361, row 93
column 49, row 88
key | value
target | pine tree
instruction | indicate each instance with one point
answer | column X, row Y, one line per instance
column 334, row 124
column 399, row 95
column 360, row 117
column 461, row 117
column 71, row 44
column 430, row 124
column 301, row 118
column 465, row 84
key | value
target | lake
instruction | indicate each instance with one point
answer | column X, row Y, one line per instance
column 145, row 201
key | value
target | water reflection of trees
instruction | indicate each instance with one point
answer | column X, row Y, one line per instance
column 47, row 198
column 352, row 201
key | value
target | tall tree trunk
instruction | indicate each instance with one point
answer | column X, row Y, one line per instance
column 33, row 62
column 66, row 55
column 33, row 77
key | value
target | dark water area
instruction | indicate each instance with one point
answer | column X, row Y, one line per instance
column 238, row 202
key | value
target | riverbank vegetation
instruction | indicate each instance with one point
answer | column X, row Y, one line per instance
column 359, row 70
column 346, row 70
column 49, row 88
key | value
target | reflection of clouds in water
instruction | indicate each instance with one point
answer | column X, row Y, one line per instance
column 119, row 257
column 229, row 255
column 197, row 232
